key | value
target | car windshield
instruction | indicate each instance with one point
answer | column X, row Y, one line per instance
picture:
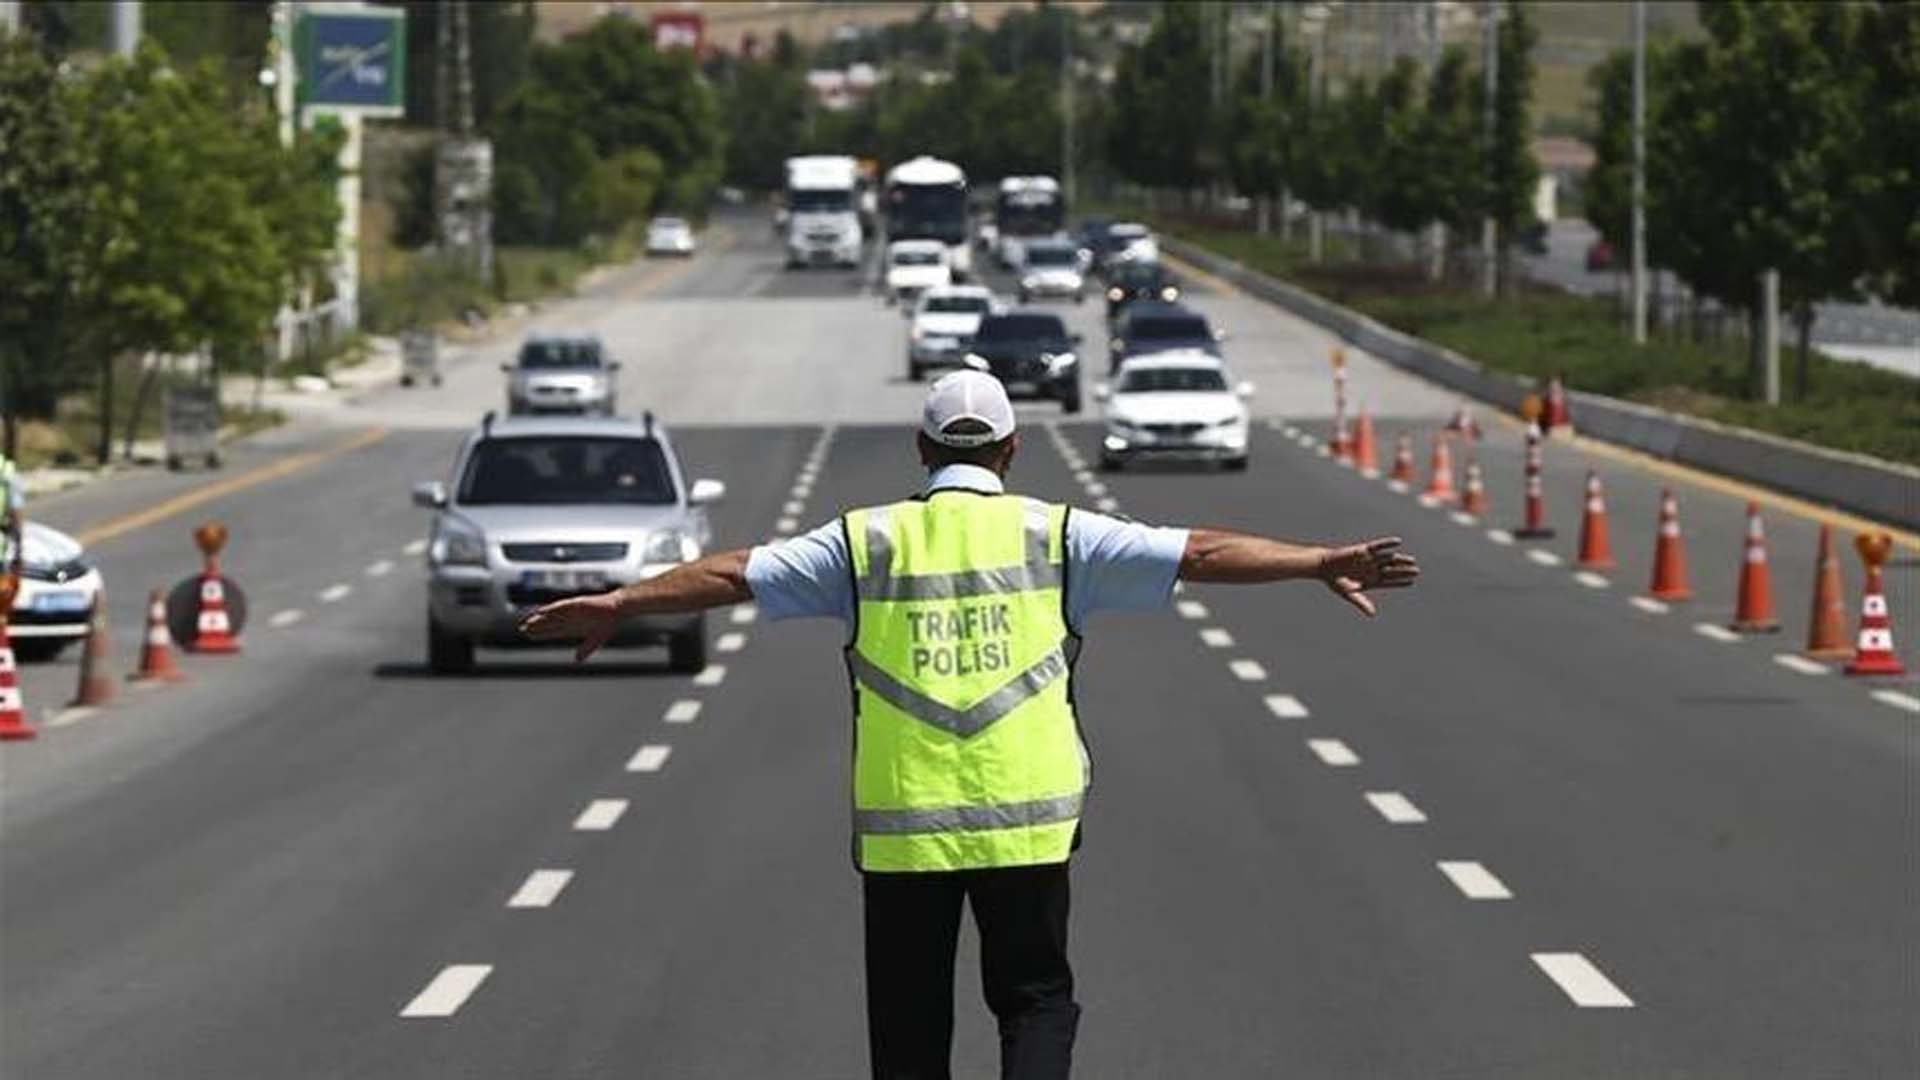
column 560, row 354
column 1023, row 328
column 927, row 212
column 1138, row 275
column 1172, row 379
column 1128, row 232
column 567, row 471
column 818, row 201
column 956, row 305
column 668, row 223
column 916, row 258
column 1051, row 256
column 1168, row 326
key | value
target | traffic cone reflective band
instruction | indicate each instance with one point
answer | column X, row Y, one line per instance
column 1874, row 655
column 1402, row 460
column 1342, row 441
column 1559, row 417
column 1464, row 424
column 1536, row 527
column 1754, row 613
column 1827, row 626
column 1596, row 542
column 1440, row 483
column 1669, row 554
column 1366, row 453
column 96, row 686
column 13, row 710
column 156, row 652
column 212, row 629
column 1474, row 500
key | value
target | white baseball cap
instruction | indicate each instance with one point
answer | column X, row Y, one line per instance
column 967, row 409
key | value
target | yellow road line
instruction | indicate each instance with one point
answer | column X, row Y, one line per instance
column 185, row 501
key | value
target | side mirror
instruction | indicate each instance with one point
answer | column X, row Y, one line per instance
column 508, row 368
column 1075, row 338
column 706, row 492
column 1243, row 390
column 1102, row 392
column 430, row 495
column 1219, row 335
column 613, row 365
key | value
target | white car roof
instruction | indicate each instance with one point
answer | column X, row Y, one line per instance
column 917, row 245
column 1129, row 229
column 1177, row 358
column 977, row 292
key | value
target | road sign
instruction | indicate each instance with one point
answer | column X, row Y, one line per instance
column 352, row 58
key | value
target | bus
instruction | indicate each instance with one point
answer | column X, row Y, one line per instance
column 926, row 199
column 1027, row 208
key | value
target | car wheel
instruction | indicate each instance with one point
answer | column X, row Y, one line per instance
column 1024, row 298
column 447, row 654
column 39, row 650
column 1238, row 464
column 1070, row 404
column 1109, row 463
column 687, row 650
column 914, row 373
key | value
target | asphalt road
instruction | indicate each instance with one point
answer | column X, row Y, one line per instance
column 1515, row 827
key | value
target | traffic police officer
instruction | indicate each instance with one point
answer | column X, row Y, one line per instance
column 966, row 605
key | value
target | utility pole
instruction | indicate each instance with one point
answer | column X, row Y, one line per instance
column 1066, row 107
column 1770, row 334
column 1489, row 270
column 123, row 29
column 1437, row 231
column 1639, row 240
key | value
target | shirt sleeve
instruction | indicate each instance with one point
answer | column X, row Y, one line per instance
column 1116, row 565
column 805, row 575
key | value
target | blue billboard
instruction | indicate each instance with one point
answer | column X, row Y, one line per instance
column 352, row 59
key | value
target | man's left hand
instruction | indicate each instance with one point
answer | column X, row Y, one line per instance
column 1376, row 564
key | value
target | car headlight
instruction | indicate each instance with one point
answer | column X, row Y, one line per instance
column 1029, row 281
column 1115, row 294
column 1169, row 294
column 456, row 543
column 1059, row 363
column 918, row 332
column 670, row 546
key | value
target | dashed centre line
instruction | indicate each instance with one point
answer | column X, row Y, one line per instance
column 1500, row 536
column 380, row 568
column 1096, row 488
column 1396, row 808
column 743, row 614
column 282, row 619
column 1582, row 982
column 1286, row 707
column 415, row 547
column 1247, row 670
column 649, row 758
column 600, row 815
column 1107, row 505
column 541, row 889
column 1592, row 580
column 1191, row 609
column 733, row 641
column 1898, row 700
column 1544, row 558
column 1474, row 881
column 1649, row 605
column 333, row 593
column 1800, row 664
column 684, row 711
column 1216, row 638
column 786, row 525
column 448, row 991
column 1333, row 752
column 711, row 675
column 793, row 506
column 1715, row 633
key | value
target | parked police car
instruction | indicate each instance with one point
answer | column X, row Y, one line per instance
column 57, row 590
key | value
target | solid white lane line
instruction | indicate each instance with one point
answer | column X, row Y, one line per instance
column 286, row 618
column 1395, row 807
column 541, row 889
column 1592, row 580
column 600, row 815
column 1191, row 609
column 334, row 592
column 415, row 547
column 1096, row 489
column 1649, row 605
column 448, row 991
column 649, row 758
column 1474, row 881
column 711, row 675
column 744, row 614
column 1500, row 536
column 684, row 711
column 786, row 525
column 1461, row 517
column 379, row 568
column 1544, row 558
column 1286, row 707
column 1581, row 981
column 1216, row 638
column 1247, row 670
column 1800, row 664
column 793, row 506
column 1334, row 752
column 1716, row 633
column 1107, row 505
column 1898, row 700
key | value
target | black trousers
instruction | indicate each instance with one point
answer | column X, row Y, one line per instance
column 913, row 925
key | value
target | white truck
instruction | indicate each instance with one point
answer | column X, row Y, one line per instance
column 823, row 218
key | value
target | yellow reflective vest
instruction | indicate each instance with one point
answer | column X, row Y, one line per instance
column 967, row 754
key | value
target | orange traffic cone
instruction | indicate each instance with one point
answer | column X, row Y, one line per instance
column 1440, row 487
column 1874, row 654
column 1596, row 542
column 156, row 655
column 212, row 629
column 1366, row 453
column 1402, row 461
column 1464, row 424
column 1754, row 612
column 13, row 711
column 1827, row 626
column 1669, row 554
column 1474, row 501
column 1535, row 527
column 96, row 686
column 1559, row 417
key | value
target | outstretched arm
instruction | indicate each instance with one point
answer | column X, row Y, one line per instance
column 1233, row 558
column 715, row 581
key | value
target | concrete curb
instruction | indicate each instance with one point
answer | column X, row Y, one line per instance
column 1882, row 490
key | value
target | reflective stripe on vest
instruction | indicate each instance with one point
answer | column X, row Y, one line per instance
column 966, row 751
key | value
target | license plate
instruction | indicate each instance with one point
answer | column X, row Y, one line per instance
column 62, row 602
column 1021, row 386
column 564, row 580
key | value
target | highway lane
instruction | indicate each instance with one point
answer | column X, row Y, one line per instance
column 257, row 874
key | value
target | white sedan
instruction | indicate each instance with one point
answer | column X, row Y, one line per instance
column 669, row 236
column 914, row 266
column 942, row 327
column 57, row 590
column 1178, row 406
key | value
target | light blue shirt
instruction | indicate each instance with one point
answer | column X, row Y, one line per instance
column 1112, row 565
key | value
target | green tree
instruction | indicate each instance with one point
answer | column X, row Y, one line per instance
column 1162, row 114
column 766, row 116
column 1512, row 174
column 1888, row 228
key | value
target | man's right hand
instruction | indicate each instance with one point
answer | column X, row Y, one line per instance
column 1376, row 564
column 590, row 620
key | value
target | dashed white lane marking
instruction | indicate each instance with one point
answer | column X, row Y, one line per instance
column 1286, row 707
column 1500, row 536
column 1107, row 505
column 711, row 675
column 1398, row 487
column 1247, row 670
column 1649, row 605
column 281, row 619
column 1474, row 881
column 1592, row 580
column 1800, row 664
column 1333, row 752
column 786, row 525
column 1544, row 558
column 334, row 592
column 72, row 715
column 1461, row 517
column 1096, row 489
column 541, row 889
column 600, row 815
column 1191, row 609
column 1083, row 476
column 684, row 711
column 793, row 506
column 1898, row 700
column 744, row 614
column 730, row 642
column 1216, row 638
column 415, row 547
column 1715, row 633
column 649, row 758
column 448, row 991
column 1581, row 981
column 379, row 568
column 1396, row 808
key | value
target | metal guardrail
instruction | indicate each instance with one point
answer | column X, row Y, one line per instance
column 1882, row 490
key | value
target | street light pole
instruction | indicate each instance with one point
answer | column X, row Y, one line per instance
column 1639, row 240
column 1489, row 271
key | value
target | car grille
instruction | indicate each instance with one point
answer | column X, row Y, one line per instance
column 564, row 553
column 1016, row 369
column 1180, row 431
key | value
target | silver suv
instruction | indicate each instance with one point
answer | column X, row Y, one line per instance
column 540, row 509
column 558, row 373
